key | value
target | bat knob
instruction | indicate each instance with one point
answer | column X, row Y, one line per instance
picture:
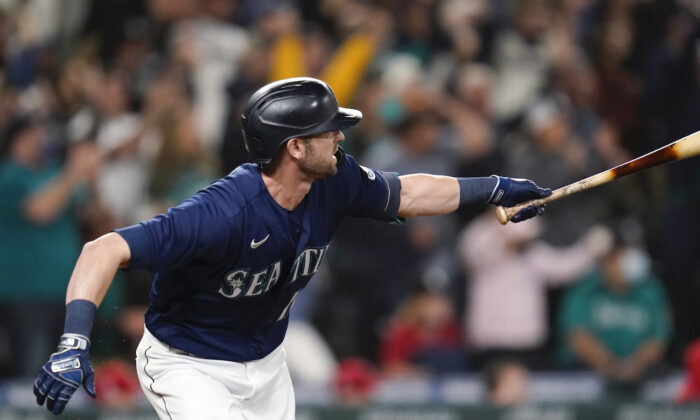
column 501, row 215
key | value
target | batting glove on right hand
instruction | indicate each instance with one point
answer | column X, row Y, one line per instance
column 511, row 191
column 65, row 371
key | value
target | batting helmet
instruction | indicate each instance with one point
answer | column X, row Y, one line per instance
column 289, row 108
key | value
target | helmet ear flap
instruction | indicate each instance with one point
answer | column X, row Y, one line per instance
column 252, row 143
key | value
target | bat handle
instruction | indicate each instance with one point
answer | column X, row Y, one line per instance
column 504, row 214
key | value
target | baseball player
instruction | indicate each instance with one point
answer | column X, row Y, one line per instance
column 230, row 260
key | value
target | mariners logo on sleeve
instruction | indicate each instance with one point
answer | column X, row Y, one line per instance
column 244, row 283
column 370, row 173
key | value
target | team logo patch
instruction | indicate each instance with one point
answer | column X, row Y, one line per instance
column 370, row 173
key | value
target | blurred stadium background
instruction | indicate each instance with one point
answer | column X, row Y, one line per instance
column 113, row 110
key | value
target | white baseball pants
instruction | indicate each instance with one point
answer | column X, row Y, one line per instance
column 180, row 386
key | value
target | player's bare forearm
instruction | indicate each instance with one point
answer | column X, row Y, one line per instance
column 428, row 195
column 69, row 367
column 96, row 267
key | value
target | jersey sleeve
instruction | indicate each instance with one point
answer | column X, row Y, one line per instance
column 370, row 193
column 196, row 228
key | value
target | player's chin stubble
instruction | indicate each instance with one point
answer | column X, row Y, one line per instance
column 318, row 165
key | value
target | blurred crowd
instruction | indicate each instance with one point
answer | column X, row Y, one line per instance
column 111, row 111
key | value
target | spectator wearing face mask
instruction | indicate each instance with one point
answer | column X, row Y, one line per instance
column 616, row 320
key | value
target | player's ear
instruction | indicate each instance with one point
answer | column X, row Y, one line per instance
column 296, row 148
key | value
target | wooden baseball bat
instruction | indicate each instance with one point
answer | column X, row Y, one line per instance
column 686, row 147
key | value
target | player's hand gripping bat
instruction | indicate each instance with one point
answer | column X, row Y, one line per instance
column 684, row 148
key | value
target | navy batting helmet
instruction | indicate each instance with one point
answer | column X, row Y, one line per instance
column 290, row 108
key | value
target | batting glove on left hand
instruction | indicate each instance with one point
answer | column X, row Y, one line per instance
column 511, row 191
column 65, row 371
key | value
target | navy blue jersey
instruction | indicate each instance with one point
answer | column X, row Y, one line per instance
column 229, row 260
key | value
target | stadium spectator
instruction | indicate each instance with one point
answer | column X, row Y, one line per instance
column 508, row 273
column 690, row 392
column 521, row 59
column 180, row 164
column 116, row 385
column 616, row 320
column 210, row 48
column 122, row 183
column 422, row 338
column 548, row 149
column 40, row 237
column 354, row 381
column 295, row 54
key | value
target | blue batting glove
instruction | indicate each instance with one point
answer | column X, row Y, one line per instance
column 528, row 212
column 65, row 371
column 511, row 191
